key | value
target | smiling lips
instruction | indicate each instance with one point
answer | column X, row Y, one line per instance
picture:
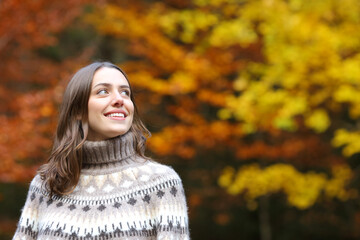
column 115, row 115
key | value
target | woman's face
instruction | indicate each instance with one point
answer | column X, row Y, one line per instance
column 110, row 108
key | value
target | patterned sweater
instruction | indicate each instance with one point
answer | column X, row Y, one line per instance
column 119, row 196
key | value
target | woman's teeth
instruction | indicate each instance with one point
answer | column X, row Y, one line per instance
column 116, row 115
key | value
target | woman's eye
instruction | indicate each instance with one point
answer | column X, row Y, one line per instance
column 125, row 92
column 102, row 92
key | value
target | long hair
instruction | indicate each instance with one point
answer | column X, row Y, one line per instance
column 62, row 171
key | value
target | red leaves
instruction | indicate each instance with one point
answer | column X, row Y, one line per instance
column 30, row 85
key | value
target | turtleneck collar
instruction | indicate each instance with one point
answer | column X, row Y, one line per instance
column 110, row 150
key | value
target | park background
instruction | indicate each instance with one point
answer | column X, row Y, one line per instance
column 255, row 103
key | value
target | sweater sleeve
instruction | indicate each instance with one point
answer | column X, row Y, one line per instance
column 28, row 223
column 171, row 211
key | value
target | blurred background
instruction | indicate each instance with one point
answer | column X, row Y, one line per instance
column 255, row 103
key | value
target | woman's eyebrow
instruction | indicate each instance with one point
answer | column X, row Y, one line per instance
column 109, row 85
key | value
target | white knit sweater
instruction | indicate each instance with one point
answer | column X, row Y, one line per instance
column 119, row 196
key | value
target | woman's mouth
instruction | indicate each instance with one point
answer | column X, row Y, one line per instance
column 122, row 115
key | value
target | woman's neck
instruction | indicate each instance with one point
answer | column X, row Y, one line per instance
column 112, row 150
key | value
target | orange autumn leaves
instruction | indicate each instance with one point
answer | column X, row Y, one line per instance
column 31, row 84
column 266, row 85
column 276, row 86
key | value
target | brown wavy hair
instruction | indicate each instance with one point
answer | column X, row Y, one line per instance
column 62, row 171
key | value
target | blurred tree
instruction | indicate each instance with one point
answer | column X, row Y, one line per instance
column 31, row 80
column 38, row 52
column 258, row 93
column 265, row 81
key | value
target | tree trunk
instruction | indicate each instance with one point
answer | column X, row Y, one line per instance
column 264, row 218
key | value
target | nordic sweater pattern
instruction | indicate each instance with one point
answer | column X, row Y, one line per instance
column 119, row 196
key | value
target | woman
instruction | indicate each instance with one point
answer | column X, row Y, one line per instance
column 97, row 183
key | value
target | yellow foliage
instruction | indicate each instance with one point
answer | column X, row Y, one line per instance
column 190, row 21
column 227, row 177
column 285, row 123
column 240, row 84
column 232, row 32
column 224, row 114
column 302, row 189
column 318, row 120
column 214, row 3
column 347, row 93
column 182, row 82
column 351, row 140
column 306, row 61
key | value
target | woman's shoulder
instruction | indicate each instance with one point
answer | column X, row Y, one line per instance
column 148, row 172
column 36, row 187
column 158, row 178
column 36, row 182
column 141, row 175
column 158, row 170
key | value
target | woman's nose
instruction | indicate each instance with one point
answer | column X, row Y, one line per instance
column 117, row 99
